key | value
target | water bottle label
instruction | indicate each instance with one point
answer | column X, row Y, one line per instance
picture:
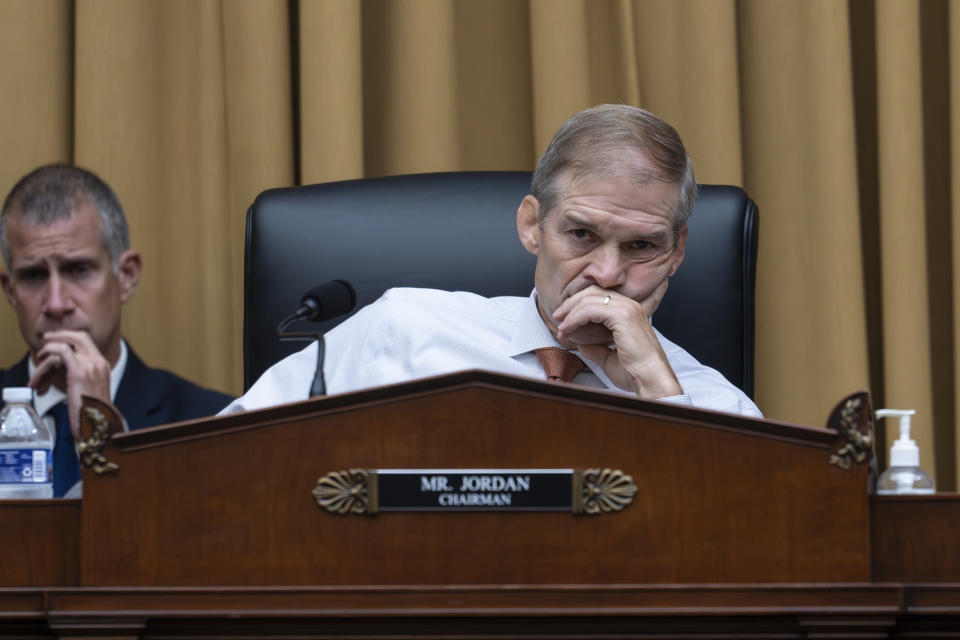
column 25, row 466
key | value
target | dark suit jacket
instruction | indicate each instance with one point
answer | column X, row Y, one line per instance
column 146, row 397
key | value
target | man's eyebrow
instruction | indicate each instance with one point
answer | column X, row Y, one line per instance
column 61, row 262
column 578, row 221
column 655, row 235
column 77, row 261
column 29, row 268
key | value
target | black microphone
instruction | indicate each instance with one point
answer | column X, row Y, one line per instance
column 326, row 301
column 320, row 303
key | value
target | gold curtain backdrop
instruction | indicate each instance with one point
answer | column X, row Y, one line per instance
column 841, row 118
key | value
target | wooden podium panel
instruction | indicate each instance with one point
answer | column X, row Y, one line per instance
column 721, row 498
column 40, row 542
column 716, row 613
column 739, row 529
column 916, row 538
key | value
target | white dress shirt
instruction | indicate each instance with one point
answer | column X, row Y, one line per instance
column 416, row 333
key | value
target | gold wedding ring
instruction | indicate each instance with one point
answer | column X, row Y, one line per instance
column 606, row 300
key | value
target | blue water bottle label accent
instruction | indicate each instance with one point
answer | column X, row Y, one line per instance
column 25, row 466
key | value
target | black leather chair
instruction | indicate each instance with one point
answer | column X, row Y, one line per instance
column 457, row 231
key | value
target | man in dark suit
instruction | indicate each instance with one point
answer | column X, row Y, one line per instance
column 69, row 270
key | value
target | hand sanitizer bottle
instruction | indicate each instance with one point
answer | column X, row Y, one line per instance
column 904, row 477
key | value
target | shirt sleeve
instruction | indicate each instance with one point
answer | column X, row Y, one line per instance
column 286, row 381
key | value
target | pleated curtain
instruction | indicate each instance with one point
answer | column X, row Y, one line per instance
column 841, row 118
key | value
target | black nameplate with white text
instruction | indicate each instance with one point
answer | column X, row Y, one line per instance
column 475, row 489
column 359, row 490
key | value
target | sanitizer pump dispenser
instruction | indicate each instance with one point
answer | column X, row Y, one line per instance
column 904, row 477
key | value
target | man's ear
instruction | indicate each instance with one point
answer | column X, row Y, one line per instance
column 128, row 273
column 8, row 287
column 528, row 224
column 679, row 250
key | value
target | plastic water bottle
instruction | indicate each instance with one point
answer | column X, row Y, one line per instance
column 26, row 461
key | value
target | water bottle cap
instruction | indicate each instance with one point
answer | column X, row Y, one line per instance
column 18, row 394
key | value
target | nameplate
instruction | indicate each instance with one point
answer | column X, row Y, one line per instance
column 475, row 489
column 372, row 491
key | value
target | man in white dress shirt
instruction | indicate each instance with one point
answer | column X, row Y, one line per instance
column 607, row 221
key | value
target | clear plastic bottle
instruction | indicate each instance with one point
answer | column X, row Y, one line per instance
column 904, row 477
column 26, row 469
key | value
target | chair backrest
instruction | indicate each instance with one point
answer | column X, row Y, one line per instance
column 457, row 231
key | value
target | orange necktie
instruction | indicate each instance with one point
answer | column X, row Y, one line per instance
column 559, row 364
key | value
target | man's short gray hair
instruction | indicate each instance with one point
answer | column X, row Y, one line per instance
column 52, row 193
column 597, row 141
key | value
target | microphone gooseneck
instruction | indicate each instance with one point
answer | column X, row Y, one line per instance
column 321, row 303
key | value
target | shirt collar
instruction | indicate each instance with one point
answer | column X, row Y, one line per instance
column 531, row 331
column 46, row 401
